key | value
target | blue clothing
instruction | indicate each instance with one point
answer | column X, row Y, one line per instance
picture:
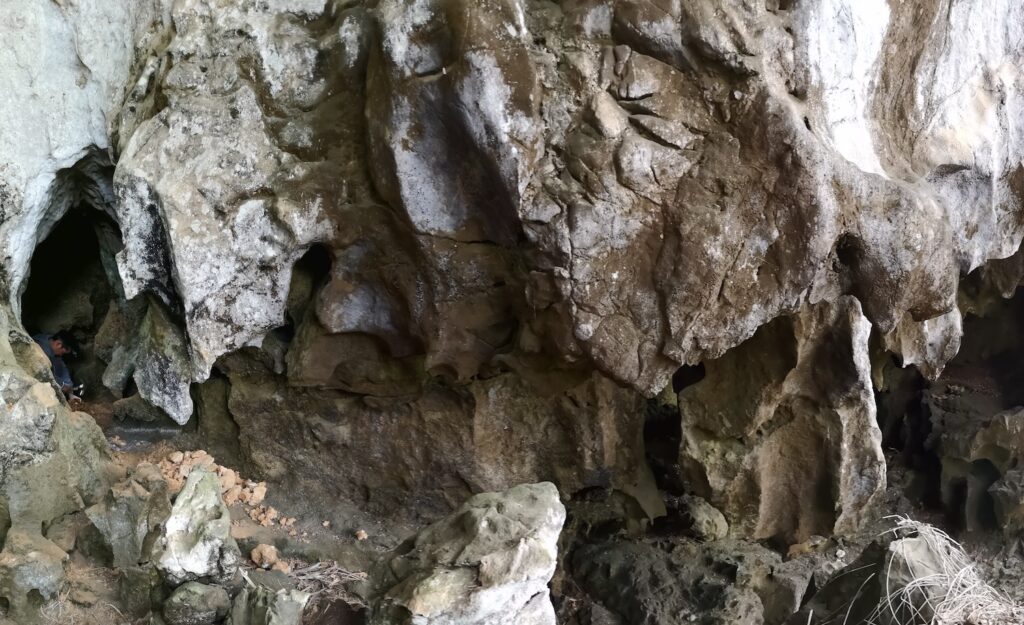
column 60, row 370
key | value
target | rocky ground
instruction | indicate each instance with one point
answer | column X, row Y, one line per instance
column 112, row 571
column 180, row 539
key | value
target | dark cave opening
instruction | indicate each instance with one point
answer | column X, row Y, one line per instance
column 309, row 273
column 945, row 436
column 663, row 434
column 69, row 288
column 687, row 375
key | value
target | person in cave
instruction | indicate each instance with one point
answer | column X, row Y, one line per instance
column 56, row 346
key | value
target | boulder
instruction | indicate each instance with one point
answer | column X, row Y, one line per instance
column 908, row 561
column 193, row 603
column 262, row 606
column 708, row 522
column 131, row 514
column 488, row 563
column 195, row 542
column 30, row 567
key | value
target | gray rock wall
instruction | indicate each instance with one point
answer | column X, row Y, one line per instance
column 523, row 191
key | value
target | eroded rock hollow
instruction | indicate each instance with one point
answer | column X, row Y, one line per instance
column 473, row 312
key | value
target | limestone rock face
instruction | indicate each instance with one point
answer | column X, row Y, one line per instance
column 415, row 458
column 487, row 563
column 781, row 435
column 195, row 542
column 408, row 208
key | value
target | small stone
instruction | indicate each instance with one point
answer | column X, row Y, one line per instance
column 135, row 588
column 282, row 567
column 232, row 495
column 326, row 524
column 262, row 606
column 361, row 535
column 176, row 457
column 708, row 522
column 259, row 493
column 264, row 556
column 227, row 478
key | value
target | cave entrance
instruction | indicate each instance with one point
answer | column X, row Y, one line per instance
column 954, row 438
column 70, row 287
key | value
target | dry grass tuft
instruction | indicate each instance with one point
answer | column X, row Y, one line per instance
column 326, row 584
column 956, row 594
column 62, row 610
column 327, row 580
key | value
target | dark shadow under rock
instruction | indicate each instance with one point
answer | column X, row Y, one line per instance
column 673, row 581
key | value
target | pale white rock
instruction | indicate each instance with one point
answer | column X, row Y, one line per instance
column 844, row 41
column 195, row 542
column 488, row 563
column 927, row 345
column 58, row 99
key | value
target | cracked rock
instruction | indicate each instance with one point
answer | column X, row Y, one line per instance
column 196, row 543
column 488, row 563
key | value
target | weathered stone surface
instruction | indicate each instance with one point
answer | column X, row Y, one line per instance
column 781, row 435
column 131, row 515
column 576, row 430
column 716, row 583
column 650, row 185
column 487, row 563
column 30, row 567
column 73, row 472
column 708, row 522
column 196, row 604
column 195, row 541
column 1008, row 501
column 979, row 460
column 136, row 408
column 138, row 589
column 516, row 202
column 262, row 606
